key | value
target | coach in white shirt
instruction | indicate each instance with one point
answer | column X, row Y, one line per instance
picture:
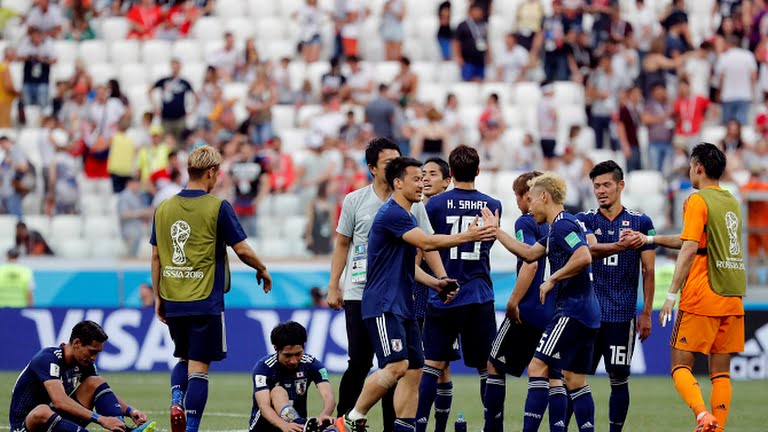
column 47, row 17
column 736, row 70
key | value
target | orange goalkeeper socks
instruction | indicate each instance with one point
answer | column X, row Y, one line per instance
column 686, row 385
column 721, row 396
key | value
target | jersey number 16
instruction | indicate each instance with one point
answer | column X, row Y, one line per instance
column 461, row 224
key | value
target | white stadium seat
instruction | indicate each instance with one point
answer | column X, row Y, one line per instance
column 230, row 8
column 66, row 51
column 72, row 248
column 114, row 28
column 110, row 247
column 39, row 223
column 269, row 28
column 100, row 226
column 92, row 51
column 154, row 52
column 468, row 93
column 124, row 51
column 7, row 227
column 188, row 50
column 102, row 72
column 66, row 227
column 386, row 71
column 133, row 74
column 241, row 27
column 208, row 29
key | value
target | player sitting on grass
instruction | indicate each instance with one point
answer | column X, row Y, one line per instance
column 60, row 390
column 280, row 383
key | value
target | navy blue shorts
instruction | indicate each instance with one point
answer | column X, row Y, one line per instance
column 514, row 346
column 472, row 71
column 199, row 337
column 615, row 343
column 395, row 338
column 473, row 325
column 567, row 344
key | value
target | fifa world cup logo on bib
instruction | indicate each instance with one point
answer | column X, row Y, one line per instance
column 179, row 235
column 732, row 224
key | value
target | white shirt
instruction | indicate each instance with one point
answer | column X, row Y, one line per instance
column 310, row 18
column 512, row 62
column 168, row 190
column 353, row 29
column 547, row 119
column 45, row 21
column 359, row 79
column 27, row 48
column 224, row 59
column 698, row 71
column 736, row 67
column 105, row 116
column 327, row 124
column 645, row 21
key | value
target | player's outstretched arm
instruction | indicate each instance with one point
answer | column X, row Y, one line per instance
column 682, row 268
column 427, row 243
column 667, row 241
column 522, row 284
column 264, row 402
column 523, row 251
column 329, row 401
column 66, row 404
column 602, row 250
column 338, row 262
column 248, row 256
column 580, row 259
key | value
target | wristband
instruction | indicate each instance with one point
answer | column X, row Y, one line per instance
column 671, row 296
column 95, row 417
column 649, row 240
column 128, row 410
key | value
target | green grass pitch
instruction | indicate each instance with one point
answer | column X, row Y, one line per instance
column 655, row 404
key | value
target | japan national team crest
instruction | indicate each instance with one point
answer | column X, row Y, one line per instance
column 625, row 223
column 397, row 345
column 301, row 386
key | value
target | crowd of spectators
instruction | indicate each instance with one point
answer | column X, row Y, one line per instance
column 655, row 75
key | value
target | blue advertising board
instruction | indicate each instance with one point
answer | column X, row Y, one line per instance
column 139, row 342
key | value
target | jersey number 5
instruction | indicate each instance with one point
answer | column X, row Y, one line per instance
column 461, row 224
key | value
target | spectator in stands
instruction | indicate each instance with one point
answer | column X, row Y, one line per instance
column 757, row 27
column 222, row 114
column 74, row 112
column 30, row 242
column 310, row 19
column 647, row 27
column 46, row 148
column 658, row 117
column 13, row 170
column 178, row 20
column 281, row 76
column 38, row 54
column 205, row 98
column 582, row 56
column 492, row 127
column 471, row 45
column 431, row 139
column 732, row 141
column 757, row 211
column 224, row 60
column 698, row 68
column 46, row 17
column 380, row 113
column 262, row 95
column 155, row 157
column 391, row 28
column 134, row 214
column 81, row 77
column 334, row 82
column 122, row 154
column 736, row 71
column 321, row 218
column 548, row 121
column 360, row 82
column 147, row 295
column 690, row 111
column 553, row 42
column 16, row 282
column 761, row 126
column 512, row 62
column 317, row 167
column 249, row 62
column 628, row 125
column 167, row 187
column 355, row 13
column 452, row 120
column 63, row 190
column 350, row 130
column 656, row 66
column 105, row 113
column 528, row 156
column 282, row 178
column 250, row 177
column 80, row 29
column 406, row 83
column 318, row 298
column 625, row 61
column 8, row 92
column 444, row 30
column 174, row 89
column 529, row 16
column 603, row 89
column 572, row 169
column 144, row 18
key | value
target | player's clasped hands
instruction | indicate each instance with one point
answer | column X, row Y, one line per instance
column 630, row 239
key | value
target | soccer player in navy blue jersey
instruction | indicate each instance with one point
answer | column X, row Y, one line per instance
column 60, row 389
column 281, row 381
column 616, row 267
column 471, row 316
column 568, row 340
column 387, row 305
column 520, row 332
column 436, row 177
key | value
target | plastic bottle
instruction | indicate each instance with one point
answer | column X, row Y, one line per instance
column 461, row 424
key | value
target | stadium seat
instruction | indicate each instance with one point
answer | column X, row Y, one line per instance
column 66, row 226
column 208, row 29
column 133, row 74
column 431, row 92
column 259, row 8
column 645, row 182
column 7, row 227
column 39, row 223
column 568, row 92
column 269, row 226
column 712, row 134
column 498, row 27
column 92, row 205
column 503, row 184
column 503, row 90
column 158, row 71
column 293, row 228
column 307, row 112
column 154, row 52
column 20, row 6
column 28, row 142
column 294, row 139
column 484, row 181
column 241, row 27
column 289, row 7
column 72, row 248
column 235, row 90
column 276, row 248
column 137, row 95
column 114, row 28
column 92, row 51
column 124, row 51
column 110, row 247
column 526, row 94
column 283, row 117
column 386, row 71
column 269, row 28
column 100, row 226
column 470, row 115
column 194, row 72
column 229, row 8
column 287, row 205
column 425, row 70
column 102, row 72
column 66, row 51
column 276, row 49
column 186, row 49
column 468, row 93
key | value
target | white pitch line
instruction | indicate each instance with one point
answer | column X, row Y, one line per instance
column 205, row 414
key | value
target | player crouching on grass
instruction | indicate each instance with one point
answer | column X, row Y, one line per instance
column 60, row 390
column 280, row 383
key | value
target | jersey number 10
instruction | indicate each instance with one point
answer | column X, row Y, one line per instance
column 461, row 224
column 611, row 261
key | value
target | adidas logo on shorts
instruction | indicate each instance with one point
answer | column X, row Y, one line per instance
column 683, row 340
column 752, row 363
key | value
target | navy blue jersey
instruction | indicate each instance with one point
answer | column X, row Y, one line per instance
column 531, row 309
column 268, row 373
column 453, row 212
column 421, row 295
column 617, row 277
column 575, row 296
column 29, row 391
column 391, row 264
column 229, row 233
